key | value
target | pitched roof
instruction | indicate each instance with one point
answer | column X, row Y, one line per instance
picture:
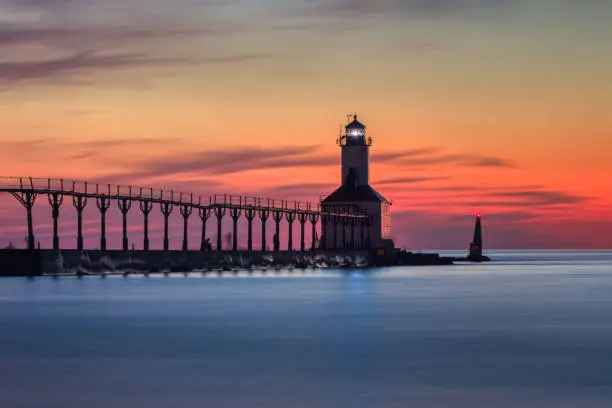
column 355, row 124
column 346, row 194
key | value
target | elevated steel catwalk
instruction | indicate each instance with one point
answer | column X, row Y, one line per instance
column 19, row 185
column 26, row 190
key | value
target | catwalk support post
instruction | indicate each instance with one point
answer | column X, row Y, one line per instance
column 204, row 216
column 166, row 209
column 314, row 218
column 250, row 216
column 146, row 207
column 291, row 216
column 27, row 199
column 303, row 218
column 219, row 213
column 264, row 215
column 277, row 216
column 186, row 211
column 103, row 203
column 125, row 205
column 235, row 213
column 55, row 200
column 79, row 202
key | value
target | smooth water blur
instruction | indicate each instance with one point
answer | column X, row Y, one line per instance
column 532, row 330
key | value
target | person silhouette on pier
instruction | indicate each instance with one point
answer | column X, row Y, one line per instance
column 207, row 245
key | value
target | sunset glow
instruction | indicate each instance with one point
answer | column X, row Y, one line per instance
column 504, row 108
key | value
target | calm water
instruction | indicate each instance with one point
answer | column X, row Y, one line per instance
column 534, row 330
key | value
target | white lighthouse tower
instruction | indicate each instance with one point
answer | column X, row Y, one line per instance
column 356, row 192
column 355, row 154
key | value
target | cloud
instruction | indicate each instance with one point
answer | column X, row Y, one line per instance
column 404, row 154
column 311, row 192
column 543, row 197
column 58, row 148
column 406, row 180
column 237, row 58
column 462, row 159
column 45, row 143
column 114, row 143
column 111, row 10
column 418, row 9
column 236, row 160
column 525, row 229
column 163, row 158
column 481, row 203
column 102, row 148
column 321, row 27
column 463, row 188
column 301, row 188
column 199, row 186
column 67, row 69
column 512, row 216
column 71, row 39
column 79, row 37
column 419, row 47
column 77, row 63
column 497, row 199
column 436, row 155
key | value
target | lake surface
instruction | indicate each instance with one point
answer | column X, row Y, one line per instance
column 531, row 330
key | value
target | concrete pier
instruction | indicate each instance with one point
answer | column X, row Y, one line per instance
column 23, row 262
column 16, row 262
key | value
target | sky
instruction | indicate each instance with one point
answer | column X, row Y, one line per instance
column 493, row 106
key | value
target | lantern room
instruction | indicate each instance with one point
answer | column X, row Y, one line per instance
column 355, row 134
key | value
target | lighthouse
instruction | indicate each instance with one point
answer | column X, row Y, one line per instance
column 476, row 244
column 356, row 193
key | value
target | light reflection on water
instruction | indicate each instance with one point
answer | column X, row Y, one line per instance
column 532, row 330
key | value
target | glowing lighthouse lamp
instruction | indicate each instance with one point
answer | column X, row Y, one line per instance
column 355, row 134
